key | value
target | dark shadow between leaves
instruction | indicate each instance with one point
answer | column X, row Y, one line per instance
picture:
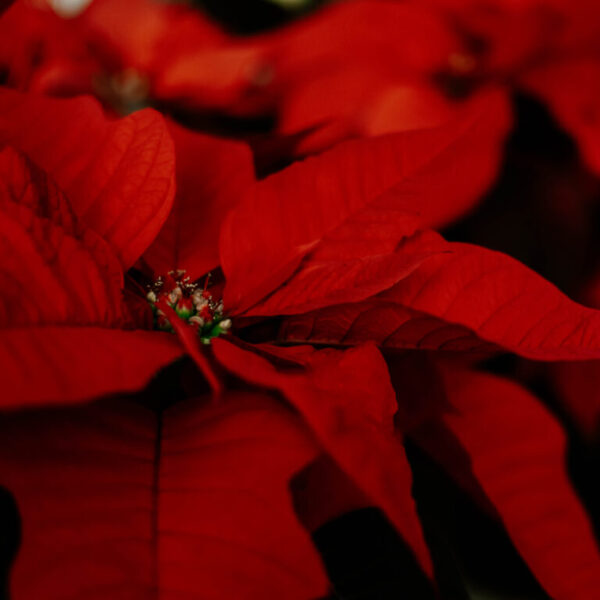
column 470, row 550
column 363, row 555
column 10, row 538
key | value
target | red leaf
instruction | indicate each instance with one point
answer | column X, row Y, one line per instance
column 116, row 502
column 63, row 365
column 512, row 34
column 43, row 52
column 25, row 184
column 385, row 323
column 58, row 281
column 458, row 296
column 118, row 175
column 517, row 451
column 212, row 175
column 341, row 64
column 370, row 103
column 253, row 75
column 503, row 302
column 321, row 282
column 147, row 34
column 212, row 78
column 323, row 492
column 51, row 270
column 287, row 215
column 349, row 402
column 132, row 29
column 367, row 32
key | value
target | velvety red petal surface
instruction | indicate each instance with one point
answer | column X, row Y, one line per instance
column 118, row 174
column 460, row 295
column 385, row 323
column 64, row 365
column 287, row 215
column 517, row 454
column 52, row 270
column 62, row 301
column 212, row 175
column 503, row 302
column 320, row 282
column 349, row 402
column 117, row 502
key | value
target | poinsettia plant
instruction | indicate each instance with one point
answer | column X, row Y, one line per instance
column 335, row 242
column 203, row 369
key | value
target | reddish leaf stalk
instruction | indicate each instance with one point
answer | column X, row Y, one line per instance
column 189, row 339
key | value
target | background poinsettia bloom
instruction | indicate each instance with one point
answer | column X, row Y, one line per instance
column 388, row 82
column 112, row 49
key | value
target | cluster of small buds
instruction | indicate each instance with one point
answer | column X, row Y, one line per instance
column 191, row 302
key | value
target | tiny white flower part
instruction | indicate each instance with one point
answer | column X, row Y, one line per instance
column 191, row 303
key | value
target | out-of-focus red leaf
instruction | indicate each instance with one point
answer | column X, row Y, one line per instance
column 118, row 502
column 133, row 29
column 571, row 88
column 367, row 31
column 338, row 95
column 42, row 52
column 212, row 174
column 460, row 295
column 507, row 34
column 261, row 74
column 352, row 103
column 370, row 103
column 285, row 216
column 403, row 107
column 145, row 33
column 213, row 78
column 64, row 365
column 118, row 175
column 348, row 400
column 581, row 27
column 517, row 454
column 345, row 61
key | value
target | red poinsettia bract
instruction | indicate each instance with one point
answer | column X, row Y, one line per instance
column 335, row 250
